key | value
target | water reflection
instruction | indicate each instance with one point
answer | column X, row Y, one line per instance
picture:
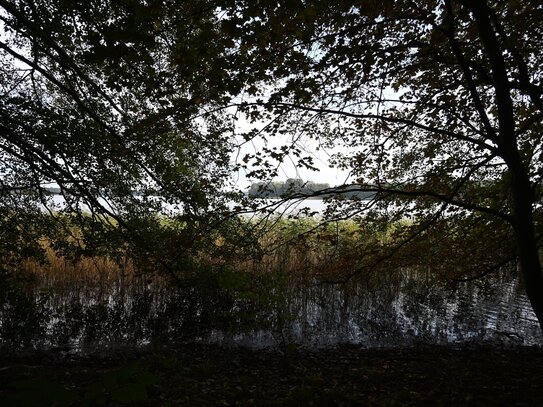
column 395, row 310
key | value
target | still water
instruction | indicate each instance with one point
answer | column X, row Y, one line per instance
column 402, row 309
column 403, row 313
column 279, row 206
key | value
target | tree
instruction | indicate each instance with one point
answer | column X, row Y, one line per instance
column 290, row 187
column 438, row 105
column 112, row 102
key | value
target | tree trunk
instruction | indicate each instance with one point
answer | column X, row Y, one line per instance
column 530, row 264
column 521, row 189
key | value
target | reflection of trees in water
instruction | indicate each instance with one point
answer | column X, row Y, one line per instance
column 400, row 311
column 385, row 311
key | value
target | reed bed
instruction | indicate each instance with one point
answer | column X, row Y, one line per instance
column 298, row 248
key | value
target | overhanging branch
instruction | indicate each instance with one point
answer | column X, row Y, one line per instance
column 395, row 120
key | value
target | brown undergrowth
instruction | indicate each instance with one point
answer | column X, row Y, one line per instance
column 302, row 248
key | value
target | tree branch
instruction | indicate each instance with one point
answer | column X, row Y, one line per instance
column 396, row 120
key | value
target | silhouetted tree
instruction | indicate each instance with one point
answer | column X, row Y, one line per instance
column 437, row 105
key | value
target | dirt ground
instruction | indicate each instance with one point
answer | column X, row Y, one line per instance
column 205, row 375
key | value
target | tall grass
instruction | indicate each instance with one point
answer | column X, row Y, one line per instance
column 298, row 248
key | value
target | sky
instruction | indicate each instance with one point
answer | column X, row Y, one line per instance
column 289, row 168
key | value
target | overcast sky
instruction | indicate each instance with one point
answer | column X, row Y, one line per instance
column 289, row 169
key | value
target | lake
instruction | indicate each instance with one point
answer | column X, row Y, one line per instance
column 288, row 207
column 400, row 309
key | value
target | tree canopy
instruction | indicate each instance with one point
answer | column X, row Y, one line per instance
column 104, row 100
column 434, row 106
column 436, row 103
